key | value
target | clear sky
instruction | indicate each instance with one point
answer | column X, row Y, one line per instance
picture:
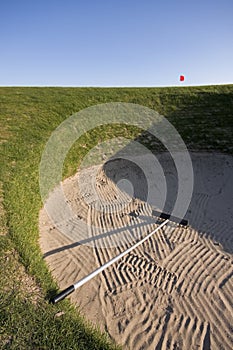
column 116, row 42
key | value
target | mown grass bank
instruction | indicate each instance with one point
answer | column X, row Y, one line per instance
column 202, row 115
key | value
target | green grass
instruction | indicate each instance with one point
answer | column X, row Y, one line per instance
column 28, row 322
column 203, row 117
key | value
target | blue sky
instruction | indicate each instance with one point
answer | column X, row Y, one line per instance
column 115, row 42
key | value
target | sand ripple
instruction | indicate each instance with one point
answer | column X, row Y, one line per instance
column 173, row 292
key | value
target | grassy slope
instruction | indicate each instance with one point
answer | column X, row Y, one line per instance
column 203, row 117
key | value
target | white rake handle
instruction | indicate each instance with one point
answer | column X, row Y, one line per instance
column 78, row 284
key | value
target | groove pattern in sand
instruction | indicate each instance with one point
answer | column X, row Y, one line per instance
column 173, row 292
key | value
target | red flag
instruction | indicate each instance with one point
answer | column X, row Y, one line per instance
column 181, row 77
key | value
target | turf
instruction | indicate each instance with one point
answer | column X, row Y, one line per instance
column 203, row 117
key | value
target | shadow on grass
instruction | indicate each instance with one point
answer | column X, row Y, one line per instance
column 205, row 123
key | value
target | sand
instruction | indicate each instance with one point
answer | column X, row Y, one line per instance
column 173, row 292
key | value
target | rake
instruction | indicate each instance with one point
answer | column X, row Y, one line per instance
column 63, row 294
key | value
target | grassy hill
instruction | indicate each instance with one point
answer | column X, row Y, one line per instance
column 202, row 115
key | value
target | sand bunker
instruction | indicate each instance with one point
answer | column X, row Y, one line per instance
column 173, row 292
